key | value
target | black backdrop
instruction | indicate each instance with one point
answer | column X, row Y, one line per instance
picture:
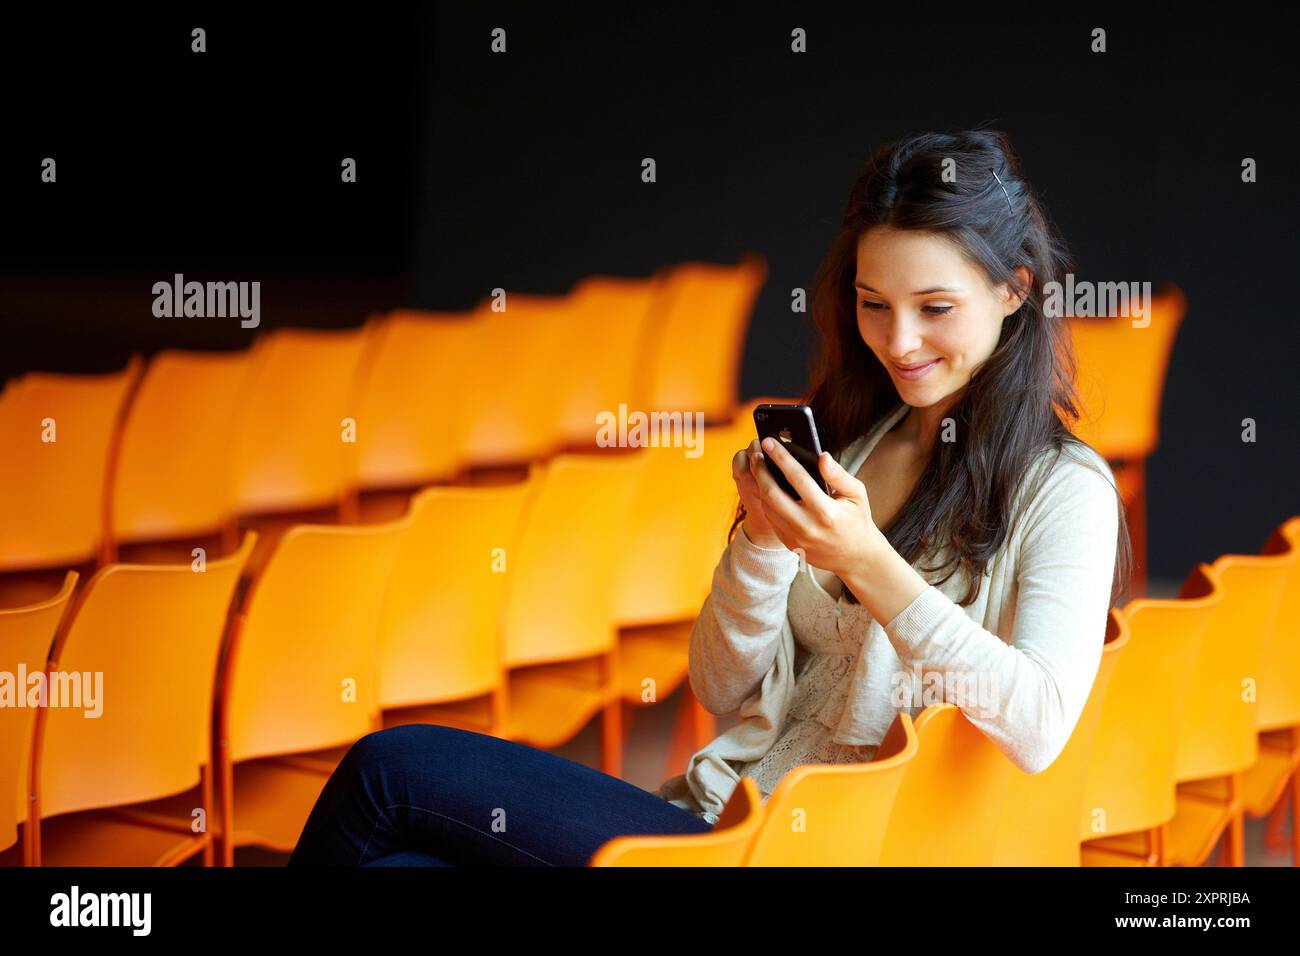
column 522, row 170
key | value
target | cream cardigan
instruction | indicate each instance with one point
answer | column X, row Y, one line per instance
column 1019, row 661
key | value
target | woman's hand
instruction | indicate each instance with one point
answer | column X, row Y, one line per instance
column 836, row 534
column 756, row 524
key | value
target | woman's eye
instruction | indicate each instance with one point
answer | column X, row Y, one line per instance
column 880, row 306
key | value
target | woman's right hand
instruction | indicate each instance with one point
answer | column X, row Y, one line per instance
column 756, row 524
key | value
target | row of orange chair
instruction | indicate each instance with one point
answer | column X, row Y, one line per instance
column 206, row 437
column 1192, row 722
column 304, row 420
column 495, row 608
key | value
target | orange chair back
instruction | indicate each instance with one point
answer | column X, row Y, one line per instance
column 609, row 329
column 1219, row 733
column 949, row 804
column 559, row 587
column 1130, row 781
column 1121, row 376
column 144, row 641
column 302, row 671
column 26, row 634
column 173, row 477
column 1040, row 822
column 290, row 448
column 412, row 410
column 441, row 627
column 1279, row 673
column 57, row 432
column 699, row 336
column 522, row 364
column 678, row 526
column 836, row 814
column 724, row 845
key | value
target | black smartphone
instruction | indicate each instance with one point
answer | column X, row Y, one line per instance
column 794, row 427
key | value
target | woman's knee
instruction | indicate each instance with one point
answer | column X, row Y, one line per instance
column 422, row 743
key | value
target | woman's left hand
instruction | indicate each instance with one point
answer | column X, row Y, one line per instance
column 836, row 534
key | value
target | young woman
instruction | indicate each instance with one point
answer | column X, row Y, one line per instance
column 970, row 544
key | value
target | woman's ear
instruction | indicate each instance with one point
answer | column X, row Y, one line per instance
column 1015, row 297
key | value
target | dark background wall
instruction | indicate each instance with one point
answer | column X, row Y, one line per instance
column 523, row 171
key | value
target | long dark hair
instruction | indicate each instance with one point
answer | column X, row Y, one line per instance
column 1018, row 403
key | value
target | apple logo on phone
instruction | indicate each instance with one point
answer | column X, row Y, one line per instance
column 784, row 435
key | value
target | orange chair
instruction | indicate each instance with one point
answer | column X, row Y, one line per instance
column 1129, row 795
column 609, row 329
column 1121, row 378
column 676, row 530
column 699, row 337
column 1040, row 822
column 26, row 634
column 172, row 480
column 289, row 449
column 515, row 415
column 557, row 634
column 300, row 681
column 152, row 634
column 1219, row 740
column 413, row 417
column 842, row 814
column 724, row 845
column 440, row 635
column 1278, row 767
column 58, row 435
column 950, row 800
column 291, row 457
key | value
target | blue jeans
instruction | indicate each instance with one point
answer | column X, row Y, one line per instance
column 428, row 795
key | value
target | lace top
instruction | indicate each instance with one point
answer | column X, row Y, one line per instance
column 829, row 635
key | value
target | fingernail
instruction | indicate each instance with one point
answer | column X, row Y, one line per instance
column 768, row 443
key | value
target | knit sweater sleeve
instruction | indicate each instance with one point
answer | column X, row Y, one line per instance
column 1032, row 690
column 736, row 636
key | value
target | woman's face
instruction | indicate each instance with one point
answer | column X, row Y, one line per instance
column 919, row 300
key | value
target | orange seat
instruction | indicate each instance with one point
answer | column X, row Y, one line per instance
column 58, row 433
column 440, row 636
column 142, row 643
column 26, row 635
column 558, row 634
column 609, row 327
column 676, row 530
column 1122, row 365
column 1129, row 795
column 301, row 681
column 1277, row 770
column 1219, row 740
column 413, row 416
column 699, row 337
column 841, row 814
column 289, row 452
column 950, row 801
column 1040, row 820
column 172, row 479
column 514, row 406
column 724, row 845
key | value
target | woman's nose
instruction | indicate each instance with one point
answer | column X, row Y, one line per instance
column 904, row 338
